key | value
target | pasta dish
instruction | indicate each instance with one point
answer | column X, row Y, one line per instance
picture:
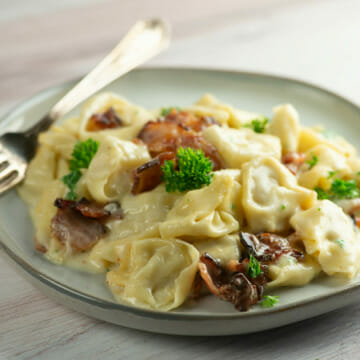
column 175, row 203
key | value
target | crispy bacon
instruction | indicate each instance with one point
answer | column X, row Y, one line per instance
column 169, row 136
column 80, row 224
column 190, row 121
column 106, row 120
column 149, row 175
column 293, row 161
column 235, row 287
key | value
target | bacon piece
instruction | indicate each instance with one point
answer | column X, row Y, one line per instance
column 149, row 175
column 106, row 120
column 92, row 209
column 237, row 288
column 80, row 224
column 293, row 161
column 190, row 121
column 169, row 136
column 267, row 247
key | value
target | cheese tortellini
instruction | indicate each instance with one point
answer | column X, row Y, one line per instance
column 328, row 235
column 270, row 195
column 151, row 239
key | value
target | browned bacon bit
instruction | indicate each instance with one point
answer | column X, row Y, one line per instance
column 169, row 136
column 235, row 287
column 106, row 120
column 190, row 121
column 293, row 161
column 267, row 247
column 39, row 247
column 149, row 175
column 91, row 209
column 80, row 224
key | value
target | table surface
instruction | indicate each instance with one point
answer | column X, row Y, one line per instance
column 44, row 43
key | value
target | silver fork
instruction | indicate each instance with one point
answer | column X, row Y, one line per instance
column 143, row 41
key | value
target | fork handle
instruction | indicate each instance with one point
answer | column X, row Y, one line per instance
column 144, row 40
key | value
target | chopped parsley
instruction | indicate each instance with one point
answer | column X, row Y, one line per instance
column 232, row 206
column 319, row 209
column 81, row 157
column 253, row 269
column 340, row 189
column 283, row 207
column 192, row 172
column 358, row 173
column 313, row 161
column 270, row 301
column 332, row 174
column 168, row 110
column 340, row 242
column 258, row 125
column 321, row 194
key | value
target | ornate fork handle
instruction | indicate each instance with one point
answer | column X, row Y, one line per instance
column 144, row 40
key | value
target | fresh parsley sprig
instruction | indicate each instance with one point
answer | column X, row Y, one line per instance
column 258, row 125
column 340, row 189
column 193, row 171
column 254, row 269
column 313, row 161
column 270, row 301
column 81, row 157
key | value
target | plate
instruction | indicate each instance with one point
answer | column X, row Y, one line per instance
column 156, row 87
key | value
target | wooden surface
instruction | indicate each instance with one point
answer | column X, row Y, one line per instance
column 43, row 43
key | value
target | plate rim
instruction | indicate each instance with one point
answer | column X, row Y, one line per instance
column 108, row 305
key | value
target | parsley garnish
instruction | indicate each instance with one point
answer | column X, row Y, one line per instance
column 194, row 171
column 319, row 209
column 283, row 207
column 258, row 125
column 253, row 269
column 313, row 161
column 168, row 110
column 332, row 174
column 270, row 301
column 81, row 157
column 340, row 242
column 340, row 189
column 321, row 194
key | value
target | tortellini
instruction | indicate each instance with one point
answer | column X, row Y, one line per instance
column 234, row 118
column 288, row 271
column 270, row 195
column 154, row 273
column 285, row 125
column 239, row 146
column 327, row 160
column 133, row 117
column 329, row 236
column 105, row 177
column 192, row 217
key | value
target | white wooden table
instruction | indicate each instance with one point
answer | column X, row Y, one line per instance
column 43, row 43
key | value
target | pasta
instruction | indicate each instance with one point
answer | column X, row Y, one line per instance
column 170, row 204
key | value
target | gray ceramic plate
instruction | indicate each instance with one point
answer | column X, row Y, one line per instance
column 154, row 88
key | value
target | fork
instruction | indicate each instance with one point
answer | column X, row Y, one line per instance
column 143, row 41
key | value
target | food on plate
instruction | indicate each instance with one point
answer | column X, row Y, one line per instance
column 176, row 203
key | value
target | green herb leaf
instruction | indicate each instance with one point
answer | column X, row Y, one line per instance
column 313, row 161
column 167, row 111
column 258, row 125
column 194, row 171
column 321, row 194
column 332, row 174
column 283, row 207
column 270, row 301
column 345, row 189
column 340, row 242
column 82, row 155
column 253, row 269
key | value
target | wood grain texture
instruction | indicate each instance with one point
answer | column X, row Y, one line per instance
column 44, row 44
